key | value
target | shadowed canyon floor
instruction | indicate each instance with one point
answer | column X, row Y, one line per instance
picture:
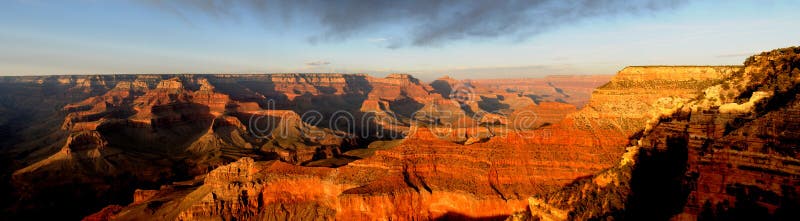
column 652, row 142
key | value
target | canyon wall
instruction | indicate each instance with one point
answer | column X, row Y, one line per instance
column 637, row 94
column 728, row 154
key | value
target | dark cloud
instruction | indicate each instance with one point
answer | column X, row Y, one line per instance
column 427, row 22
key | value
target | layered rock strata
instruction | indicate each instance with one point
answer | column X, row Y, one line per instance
column 426, row 176
column 119, row 133
column 727, row 154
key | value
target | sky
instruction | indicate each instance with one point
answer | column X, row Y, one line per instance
column 426, row 38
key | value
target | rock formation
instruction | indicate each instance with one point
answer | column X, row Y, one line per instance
column 726, row 154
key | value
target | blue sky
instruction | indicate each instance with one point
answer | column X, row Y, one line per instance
column 40, row 37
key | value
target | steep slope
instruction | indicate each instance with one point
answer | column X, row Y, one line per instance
column 728, row 154
column 31, row 121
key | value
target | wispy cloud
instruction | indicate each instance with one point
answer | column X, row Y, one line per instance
column 377, row 40
column 317, row 63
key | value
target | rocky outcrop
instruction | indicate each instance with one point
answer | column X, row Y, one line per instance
column 637, row 94
column 727, row 154
column 737, row 163
column 674, row 73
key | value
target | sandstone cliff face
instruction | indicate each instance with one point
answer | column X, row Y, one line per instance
column 637, row 94
column 674, row 73
column 728, row 154
column 742, row 163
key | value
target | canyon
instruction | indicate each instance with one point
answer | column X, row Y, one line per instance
column 651, row 142
column 75, row 144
